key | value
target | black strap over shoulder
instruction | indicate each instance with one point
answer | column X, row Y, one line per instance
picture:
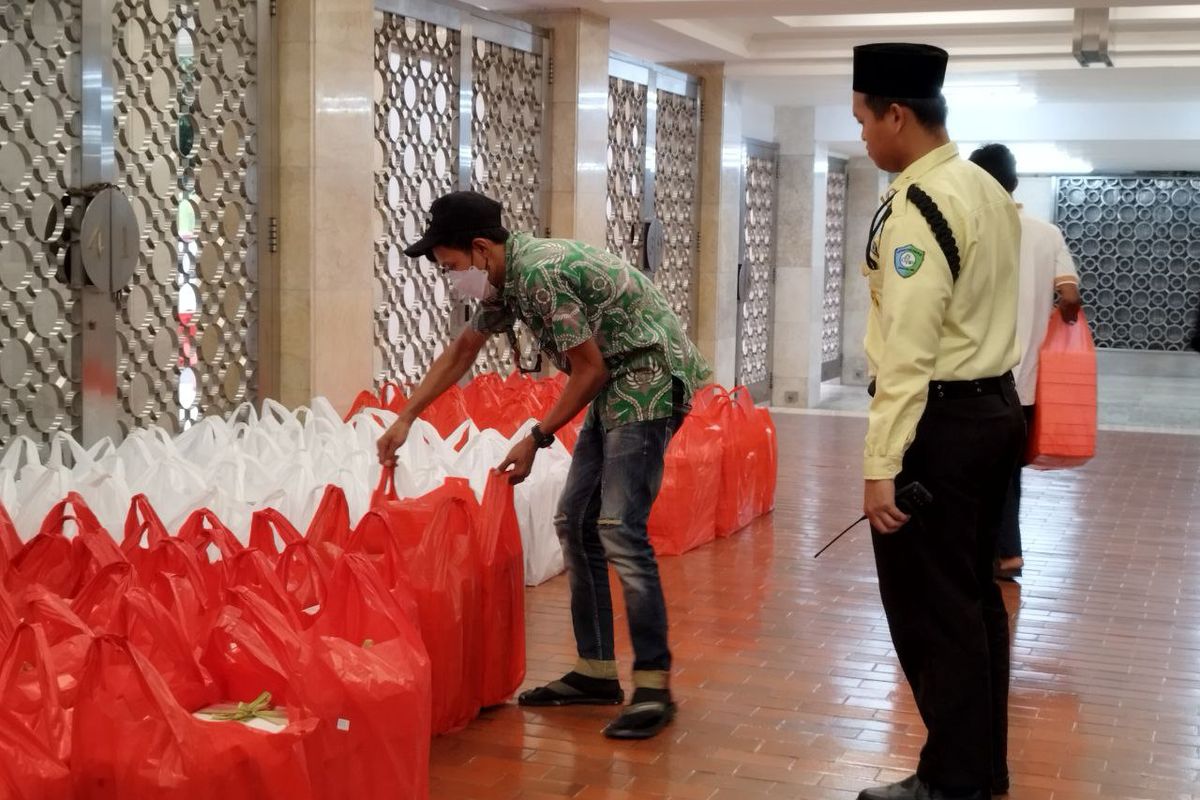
column 937, row 223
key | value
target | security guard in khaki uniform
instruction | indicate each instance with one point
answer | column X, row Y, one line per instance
column 941, row 340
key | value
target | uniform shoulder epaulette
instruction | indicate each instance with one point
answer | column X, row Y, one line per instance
column 938, row 224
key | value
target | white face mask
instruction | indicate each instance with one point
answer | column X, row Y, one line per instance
column 470, row 284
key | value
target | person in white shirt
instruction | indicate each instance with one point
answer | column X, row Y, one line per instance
column 1047, row 268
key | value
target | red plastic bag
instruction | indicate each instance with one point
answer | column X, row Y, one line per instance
column 303, row 574
column 29, row 690
column 29, row 770
column 758, row 429
column 142, row 522
column 330, row 526
column 99, row 601
column 1064, row 417
column 270, row 532
column 133, row 741
column 501, row 667
column 685, row 514
column 203, row 528
column 69, row 637
column 159, row 636
column 173, row 573
column 53, row 560
column 8, row 618
column 10, row 542
column 735, row 500
column 253, row 569
column 362, row 401
column 447, row 412
column 369, row 681
column 373, row 702
column 359, row 607
column 445, row 580
column 244, row 665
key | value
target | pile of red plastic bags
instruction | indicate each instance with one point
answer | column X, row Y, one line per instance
column 720, row 468
column 314, row 665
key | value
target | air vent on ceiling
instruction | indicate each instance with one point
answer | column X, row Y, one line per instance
column 1091, row 37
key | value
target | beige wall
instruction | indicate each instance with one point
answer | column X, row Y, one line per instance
column 326, row 190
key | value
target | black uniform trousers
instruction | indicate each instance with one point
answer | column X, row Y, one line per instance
column 1009, row 542
column 944, row 609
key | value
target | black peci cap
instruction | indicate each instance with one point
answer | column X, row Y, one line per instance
column 908, row 71
column 456, row 214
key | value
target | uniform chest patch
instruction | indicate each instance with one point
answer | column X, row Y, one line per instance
column 908, row 260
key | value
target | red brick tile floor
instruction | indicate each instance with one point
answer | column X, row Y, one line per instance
column 787, row 683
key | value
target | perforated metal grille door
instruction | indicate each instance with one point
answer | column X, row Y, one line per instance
column 675, row 198
column 758, row 282
column 187, row 121
column 416, row 119
column 626, row 167
column 40, row 98
column 835, row 261
column 1136, row 242
column 506, row 146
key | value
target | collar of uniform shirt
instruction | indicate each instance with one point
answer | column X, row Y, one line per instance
column 924, row 164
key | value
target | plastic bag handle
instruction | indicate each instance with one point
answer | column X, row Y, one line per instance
column 385, row 490
column 20, row 446
column 82, row 515
column 265, row 524
column 203, row 526
column 303, row 551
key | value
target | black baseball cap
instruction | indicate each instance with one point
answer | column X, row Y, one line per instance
column 900, row 70
column 455, row 215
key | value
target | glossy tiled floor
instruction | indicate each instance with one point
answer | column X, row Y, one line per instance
column 787, row 684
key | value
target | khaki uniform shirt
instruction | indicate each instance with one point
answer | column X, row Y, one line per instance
column 923, row 325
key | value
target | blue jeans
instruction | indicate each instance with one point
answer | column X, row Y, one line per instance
column 614, row 478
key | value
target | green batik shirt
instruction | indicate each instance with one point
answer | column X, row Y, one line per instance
column 567, row 292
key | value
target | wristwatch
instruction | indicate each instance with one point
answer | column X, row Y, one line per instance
column 540, row 438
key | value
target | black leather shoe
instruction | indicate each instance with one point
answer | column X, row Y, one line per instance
column 1000, row 786
column 913, row 788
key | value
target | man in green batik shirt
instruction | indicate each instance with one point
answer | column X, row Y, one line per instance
column 611, row 330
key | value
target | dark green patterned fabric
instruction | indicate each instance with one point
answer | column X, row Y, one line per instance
column 568, row 292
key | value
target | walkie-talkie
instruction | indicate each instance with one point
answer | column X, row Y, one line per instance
column 910, row 499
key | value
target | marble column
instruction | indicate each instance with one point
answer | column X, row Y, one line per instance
column 800, row 260
column 722, row 153
column 579, row 125
column 325, row 263
column 864, row 185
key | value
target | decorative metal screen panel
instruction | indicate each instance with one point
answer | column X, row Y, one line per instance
column 416, row 121
column 506, row 147
column 759, row 262
column 677, row 159
column 1137, row 245
column 40, row 99
column 835, row 261
column 186, row 96
column 626, row 166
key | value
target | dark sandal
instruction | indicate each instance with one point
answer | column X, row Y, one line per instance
column 641, row 720
column 561, row 693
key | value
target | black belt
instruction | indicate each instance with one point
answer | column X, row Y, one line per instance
column 959, row 390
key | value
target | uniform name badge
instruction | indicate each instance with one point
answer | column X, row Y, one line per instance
column 908, row 260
